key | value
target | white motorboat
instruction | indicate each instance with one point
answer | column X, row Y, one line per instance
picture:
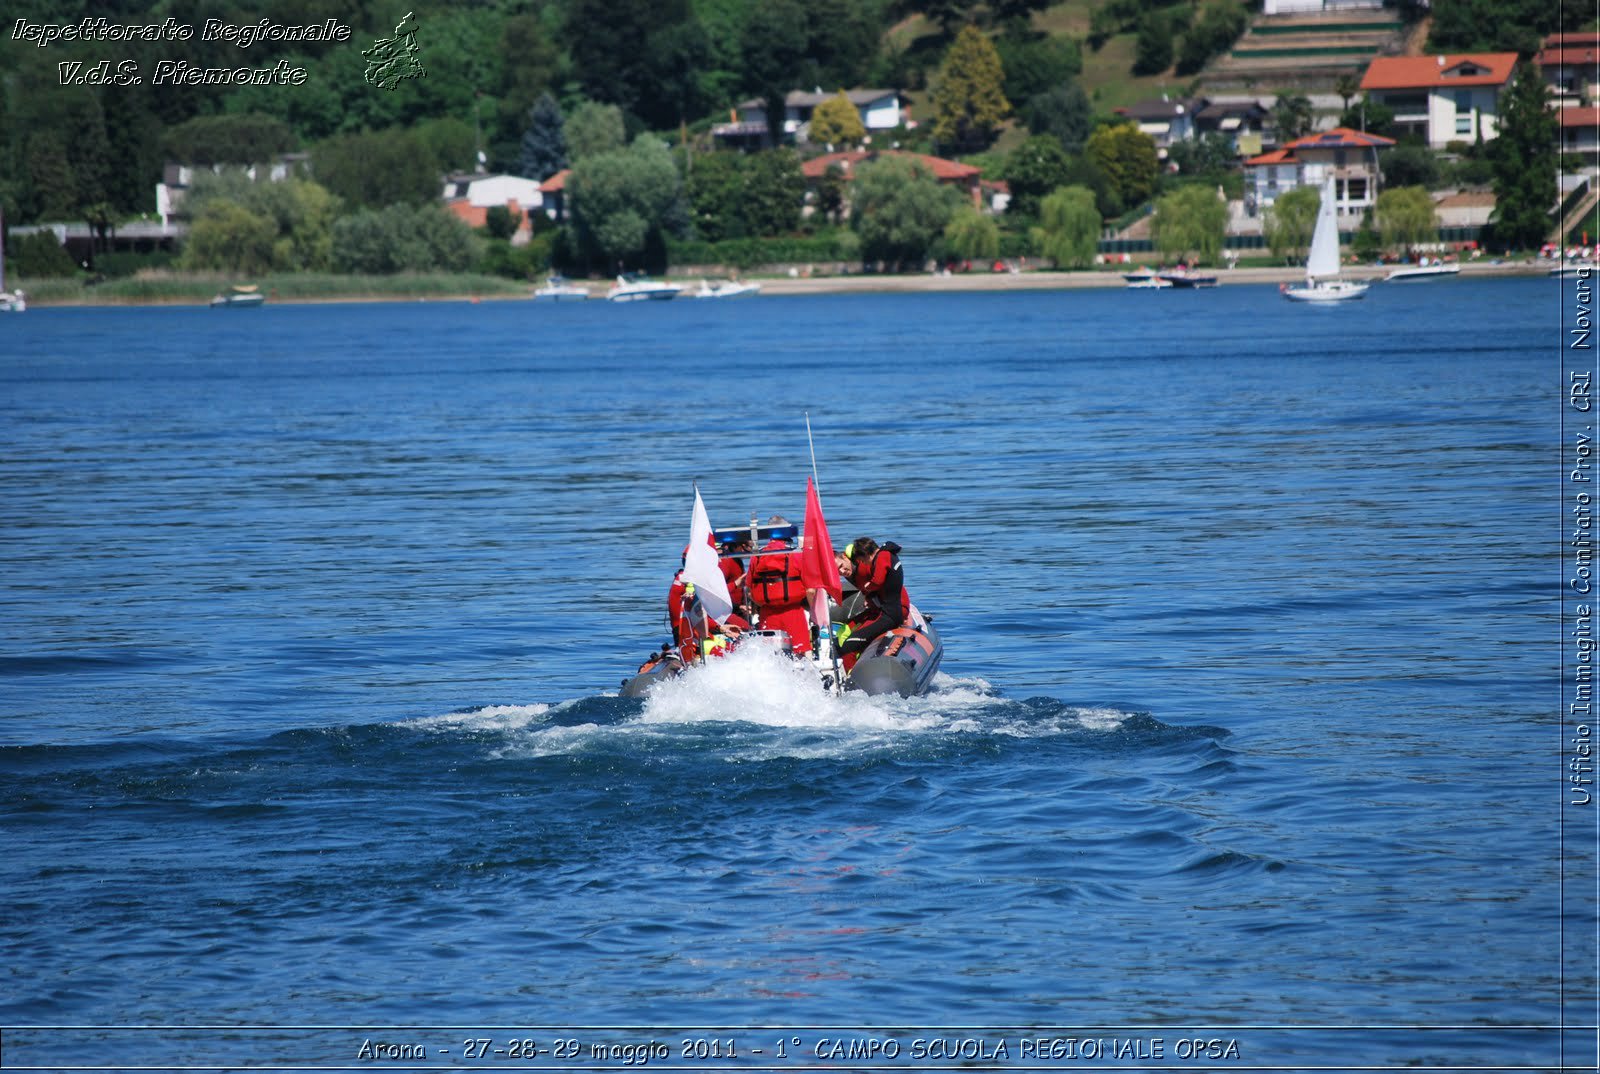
column 1437, row 270
column 1322, row 266
column 640, row 289
column 240, row 296
column 561, row 289
column 10, row 301
column 727, row 289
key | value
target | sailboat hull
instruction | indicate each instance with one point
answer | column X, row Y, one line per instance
column 1335, row 292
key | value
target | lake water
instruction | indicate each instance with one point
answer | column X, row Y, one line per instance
column 1248, row 728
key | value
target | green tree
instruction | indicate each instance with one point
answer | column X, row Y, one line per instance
column 1037, row 63
column 1290, row 220
column 1152, row 49
column 1409, row 165
column 837, row 122
column 774, row 191
column 1370, row 116
column 899, row 211
column 404, row 238
column 714, row 188
column 620, row 199
column 1406, row 217
column 1218, row 27
column 377, row 168
column 1069, row 227
column 544, row 144
column 968, row 102
column 248, row 138
column 40, row 255
column 1127, row 158
column 231, row 238
column 971, row 234
column 830, row 194
column 1292, row 115
column 1034, row 169
column 773, row 44
column 594, row 128
column 1494, row 25
column 1191, row 220
column 1064, row 112
column 1524, row 161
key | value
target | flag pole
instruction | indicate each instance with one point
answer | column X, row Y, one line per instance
column 824, row 629
column 812, row 445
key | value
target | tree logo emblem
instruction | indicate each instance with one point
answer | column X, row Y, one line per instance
column 392, row 59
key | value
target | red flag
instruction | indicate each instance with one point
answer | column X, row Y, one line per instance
column 818, row 569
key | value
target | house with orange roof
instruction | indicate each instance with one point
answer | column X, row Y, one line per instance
column 554, row 192
column 1443, row 99
column 963, row 177
column 1567, row 62
column 470, row 196
column 1350, row 156
column 1580, row 130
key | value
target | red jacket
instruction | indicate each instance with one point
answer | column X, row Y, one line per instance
column 775, row 580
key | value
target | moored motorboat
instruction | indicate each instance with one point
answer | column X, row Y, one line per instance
column 1575, row 268
column 240, row 296
column 727, row 289
column 1183, row 279
column 1418, row 273
column 1145, row 279
column 10, row 301
column 560, row 289
column 640, row 289
column 707, row 627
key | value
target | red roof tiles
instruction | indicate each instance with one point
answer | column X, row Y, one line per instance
column 1439, row 72
column 941, row 169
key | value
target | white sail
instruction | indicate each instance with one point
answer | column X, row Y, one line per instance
column 1323, row 264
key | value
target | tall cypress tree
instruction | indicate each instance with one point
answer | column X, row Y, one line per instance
column 1523, row 155
column 968, row 100
column 544, row 144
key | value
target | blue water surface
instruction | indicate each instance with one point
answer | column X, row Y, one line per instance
column 314, row 617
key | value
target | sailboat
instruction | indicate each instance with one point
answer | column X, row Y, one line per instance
column 1322, row 267
column 10, row 301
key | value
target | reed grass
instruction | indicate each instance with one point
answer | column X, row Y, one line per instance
column 160, row 287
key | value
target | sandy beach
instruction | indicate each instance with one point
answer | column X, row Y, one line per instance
column 1046, row 281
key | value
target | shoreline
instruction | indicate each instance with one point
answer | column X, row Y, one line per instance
column 1044, row 280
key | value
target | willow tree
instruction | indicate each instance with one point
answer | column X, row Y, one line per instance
column 1290, row 220
column 969, row 101
column 1406, row 217
column 900, row 210
column 972, row 234
column 1190, row 220
column 1069, row 227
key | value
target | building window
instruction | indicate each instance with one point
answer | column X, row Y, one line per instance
column 1463, row 111
column 1355, row 190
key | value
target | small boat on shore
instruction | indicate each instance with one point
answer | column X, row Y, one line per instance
column 1145, row 279
column 240, row 296
column 560, row 289
column 10, row 301
column 1323, row 284
column 727, row 289
column 1423, row 272
column 1183, row 279
column 706, row 627
column 642, row 289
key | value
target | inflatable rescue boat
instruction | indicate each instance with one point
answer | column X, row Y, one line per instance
column 900, row 661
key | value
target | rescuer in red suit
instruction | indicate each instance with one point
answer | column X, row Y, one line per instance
column 778, row 593
column 875, row 570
